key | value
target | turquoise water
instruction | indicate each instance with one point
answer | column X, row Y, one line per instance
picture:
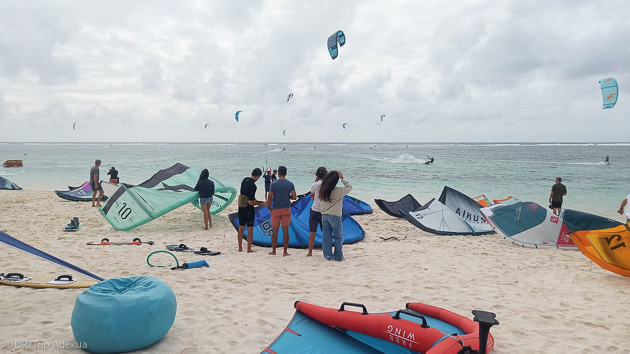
column 387, row 171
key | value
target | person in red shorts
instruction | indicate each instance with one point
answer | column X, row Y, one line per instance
column 281, row 192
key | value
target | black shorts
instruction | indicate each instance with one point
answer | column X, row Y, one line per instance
column 96, row 188
column 314, row 219
column 246, row 216
column 267, row 186
column 556, row 205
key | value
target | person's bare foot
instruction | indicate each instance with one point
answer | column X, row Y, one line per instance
column 93, row 206
column 309, row 255
column 98, row 205
column 250, row 251
column 272, row 253
column 285, row 254
column 205, row 228
column 240, row 249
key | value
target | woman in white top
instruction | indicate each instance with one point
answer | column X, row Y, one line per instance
column 331, row 200
column 315, row 217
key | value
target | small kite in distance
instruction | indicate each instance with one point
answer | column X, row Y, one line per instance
column 344, row 125
column 290, row 96
column 236, row 115
column 206, row 126
column 382, row 116
column 74, row 126
column 284, row 132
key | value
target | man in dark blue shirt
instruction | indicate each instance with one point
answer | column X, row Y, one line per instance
column 281, row 193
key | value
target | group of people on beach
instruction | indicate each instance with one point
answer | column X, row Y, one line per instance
column 325, row 211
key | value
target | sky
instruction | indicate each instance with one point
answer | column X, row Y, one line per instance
column 462, row 71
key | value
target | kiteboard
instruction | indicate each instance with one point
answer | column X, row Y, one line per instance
column 105, row 242
column 203, row 251
column 61, row 282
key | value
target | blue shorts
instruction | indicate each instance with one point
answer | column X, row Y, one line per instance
column 203, row 201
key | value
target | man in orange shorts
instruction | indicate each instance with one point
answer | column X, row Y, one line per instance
column 281, row 192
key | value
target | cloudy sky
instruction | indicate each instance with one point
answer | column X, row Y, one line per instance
column 462, row 71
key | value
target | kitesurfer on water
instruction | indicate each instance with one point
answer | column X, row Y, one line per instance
column 315, row 217
column 607, row 160
column 95, row 183
column 246, row 213
column 558, row 190
column 281, row 193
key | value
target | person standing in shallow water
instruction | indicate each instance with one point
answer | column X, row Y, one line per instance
column 331, row 199
column 558, row 190
column 205, row 187
column 95, row 183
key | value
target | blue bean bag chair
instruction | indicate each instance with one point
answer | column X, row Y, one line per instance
column 123, row 314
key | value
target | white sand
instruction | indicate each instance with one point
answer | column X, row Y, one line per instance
column 548, row 301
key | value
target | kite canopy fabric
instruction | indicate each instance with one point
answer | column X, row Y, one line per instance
column 400, row 207
column 6, row 184
column 354, row 206
column 298, row 230
column 437, row 218
column 608, row 248
column 131, row 206
column 528, row 223
column 466, row 208
column 610, row 91
column 13, row 242
column 80, row 194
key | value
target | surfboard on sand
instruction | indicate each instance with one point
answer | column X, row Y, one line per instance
column 61, row 282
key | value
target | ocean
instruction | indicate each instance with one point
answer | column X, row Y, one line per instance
column 385, row 171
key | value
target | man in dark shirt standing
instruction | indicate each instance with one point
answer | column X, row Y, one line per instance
column 558, row 190
column 246, row 213
column 95, row 183
column 267, row 177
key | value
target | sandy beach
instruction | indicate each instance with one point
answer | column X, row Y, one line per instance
column 547, row 300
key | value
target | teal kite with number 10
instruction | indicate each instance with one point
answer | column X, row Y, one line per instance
column 131, row 206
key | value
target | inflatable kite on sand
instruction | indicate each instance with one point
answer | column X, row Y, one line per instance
column 609, row 248
column 298, row 230
column 418, row 328
column 131, row 206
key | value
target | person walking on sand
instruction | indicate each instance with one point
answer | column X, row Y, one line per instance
column 331, row 199
column 246, row 212
column 281, row 193
column 624, row 209
column 315, row 217
column 205, row 187
column 95, row 183
column 558, row 190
